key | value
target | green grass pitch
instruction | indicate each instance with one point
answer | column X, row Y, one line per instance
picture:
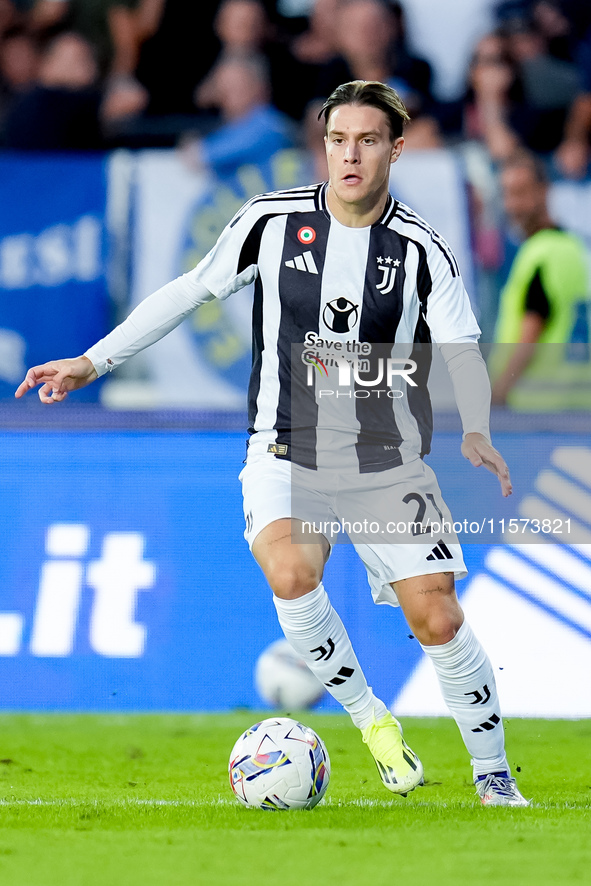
column 140, row 800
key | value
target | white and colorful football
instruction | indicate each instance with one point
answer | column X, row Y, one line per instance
column 284, row 680
column 279, row 764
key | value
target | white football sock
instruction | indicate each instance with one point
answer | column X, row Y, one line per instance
column 317, row 634
column 468, row 685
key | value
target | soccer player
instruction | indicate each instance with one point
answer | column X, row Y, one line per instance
column 342, row 262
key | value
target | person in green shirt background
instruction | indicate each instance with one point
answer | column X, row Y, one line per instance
column 544, row 305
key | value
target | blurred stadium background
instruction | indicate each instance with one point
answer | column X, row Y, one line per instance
column 131, row 131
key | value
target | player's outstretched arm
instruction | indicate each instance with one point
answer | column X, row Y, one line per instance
column 57, row 378
column 150, row 321
column 479, row 451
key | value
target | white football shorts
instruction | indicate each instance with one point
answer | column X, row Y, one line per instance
column 396, row 519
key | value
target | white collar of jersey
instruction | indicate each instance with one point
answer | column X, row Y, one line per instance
column 390, row 204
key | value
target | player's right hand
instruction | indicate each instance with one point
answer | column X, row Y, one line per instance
column 57, row 378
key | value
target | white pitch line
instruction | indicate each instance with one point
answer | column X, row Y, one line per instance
column 363, row 803
column 70, row 802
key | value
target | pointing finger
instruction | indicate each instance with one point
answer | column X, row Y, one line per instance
column 35, row 376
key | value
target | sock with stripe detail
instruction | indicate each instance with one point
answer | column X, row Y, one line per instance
column 314, row 630
column 468, row 685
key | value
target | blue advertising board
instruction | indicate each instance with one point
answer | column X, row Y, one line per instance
column 53, row 292
column 126, row 583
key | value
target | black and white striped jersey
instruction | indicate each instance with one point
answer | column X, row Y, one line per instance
column 323, row 288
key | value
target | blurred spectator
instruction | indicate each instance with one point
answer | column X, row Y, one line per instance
column 242, row 25
column 518, row 93
column 19, row 58
column 483, row 137
column 253, row 130
column 318, row 44
column 556, row 28
column 244, row 29
column 549, row 86
column 371, row 44
column 61, row 112
column 110, row 27
column 8, row 16
column 572, row 156
column 545, row 301
column 445, row 34
column 178, row 48
column 493, row 88
column 414, row 71
column 563, row 116
column 563, row 23
column 422, row 134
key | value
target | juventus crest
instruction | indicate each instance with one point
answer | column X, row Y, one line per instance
column 388, row 267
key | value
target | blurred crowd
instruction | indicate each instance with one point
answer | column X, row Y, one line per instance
column 234, row 80
column 505, row 85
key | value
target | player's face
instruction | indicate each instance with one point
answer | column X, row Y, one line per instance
column 359, row 150
column 524, row 197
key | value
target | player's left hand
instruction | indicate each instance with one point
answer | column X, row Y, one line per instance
column 479, row 451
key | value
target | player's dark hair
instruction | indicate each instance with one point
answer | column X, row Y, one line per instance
column 371, row 93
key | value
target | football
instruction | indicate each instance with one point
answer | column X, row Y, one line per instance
column 284, row 680
column 279, row 764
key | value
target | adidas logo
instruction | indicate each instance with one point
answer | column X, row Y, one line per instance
column 304, row 262
column 440, row 552
column 342, row 675
column 488, row 724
